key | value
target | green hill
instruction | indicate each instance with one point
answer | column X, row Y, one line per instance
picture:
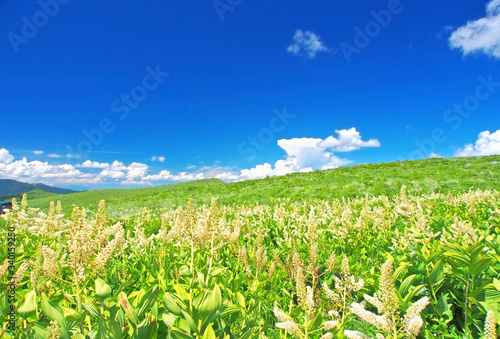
column 31, row 195
column 9, row 188
column 425, row 176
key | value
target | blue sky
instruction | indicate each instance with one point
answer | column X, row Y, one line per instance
column 102, row 94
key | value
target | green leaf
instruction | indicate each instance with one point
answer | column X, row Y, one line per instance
column 210, row 301
column 108, row 329
column 128, row 308
column 209, row 333
column 169, row 319
column 148, row 300
column 437, row 274
column 70, row 314
column 52, row 311
column 480, row 265
column 29, row 304
column 170, row 303
column 102, row 290
column 180, row 334
column 240, row 299
column 218, row 271
column 405, row 285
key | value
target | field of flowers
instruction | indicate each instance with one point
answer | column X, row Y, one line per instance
column 415, row 265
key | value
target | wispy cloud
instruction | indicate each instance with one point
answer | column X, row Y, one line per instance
column 53, row 155
column 306, row 44
column 482, row 35
column 37, row 152
column 158, row 158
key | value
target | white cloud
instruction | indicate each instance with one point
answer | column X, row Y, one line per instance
column 305, row 155
column 37, row 152
column 486, row 144
column 92, row 164
column 434, row 155
column 306, row 44
column 482, row 35
column 5, row 156
column 158, row 158
column 302, row 155
column 348, row 140
column 53, row 155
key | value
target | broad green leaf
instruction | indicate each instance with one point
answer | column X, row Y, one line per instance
column 70, row 314
column 169, row 319
column 52, row 311
column 406, row 284
column 180, row 334
column 108, row 329
column 478, row 266
column 170, row 303
column 437, row 274
column 210, row 301
column 102, row 290
column 209, row 333
column 147, row 300
column 29, row 304
column 128, row 308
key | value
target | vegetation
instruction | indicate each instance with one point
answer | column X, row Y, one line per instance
column 32, row 195
column 413, row 263
column 9, row 188
column 422, row 176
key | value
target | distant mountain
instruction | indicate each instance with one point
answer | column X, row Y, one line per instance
column 10, row 187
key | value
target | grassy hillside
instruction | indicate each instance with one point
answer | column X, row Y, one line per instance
column 10, row 187
column 32, row 195
column 139, row 196
column 422, row 176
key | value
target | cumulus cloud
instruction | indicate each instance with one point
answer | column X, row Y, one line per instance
column 486, row 144
column 348, row 140
column 482, row 35
column 306, row 44
column 301, row 155
column 434, row 155
column 306, row 155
